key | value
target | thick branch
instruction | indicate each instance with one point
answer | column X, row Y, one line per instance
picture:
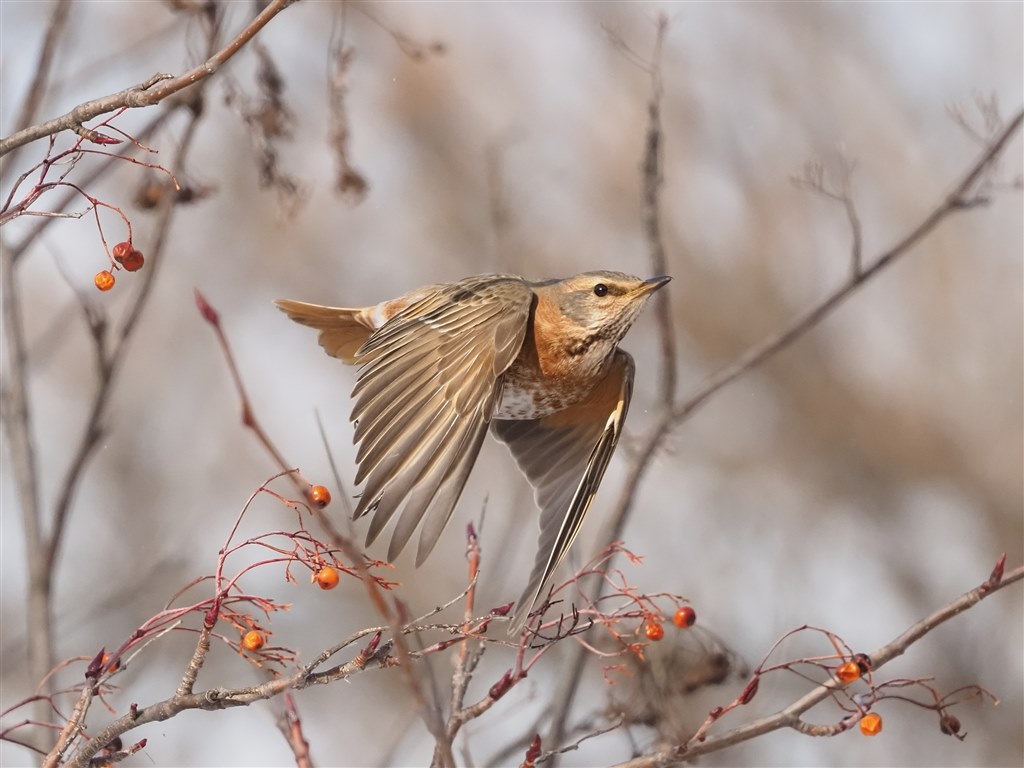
column 146, row 94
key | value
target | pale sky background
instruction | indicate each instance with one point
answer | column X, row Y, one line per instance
column 863, row 478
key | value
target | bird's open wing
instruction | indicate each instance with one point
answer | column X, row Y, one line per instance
column 424, row 397
column 564, row 455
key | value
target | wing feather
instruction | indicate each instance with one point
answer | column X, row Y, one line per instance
column 426, row 389
column 565, row 456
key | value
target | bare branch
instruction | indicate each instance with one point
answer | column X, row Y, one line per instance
column 16, row 412
column 652, row 181
column 814, row 178
column 290, row 725
column 955, row 201
column 145, row 94
column 348, row 182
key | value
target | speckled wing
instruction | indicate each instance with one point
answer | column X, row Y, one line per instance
column 424, row 396
column 564, row 455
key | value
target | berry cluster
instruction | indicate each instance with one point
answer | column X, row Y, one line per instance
column 127, row 258
column 684, row 619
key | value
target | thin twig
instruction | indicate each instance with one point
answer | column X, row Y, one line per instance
column 17, row 421
column 470, row 651
column 652, row 182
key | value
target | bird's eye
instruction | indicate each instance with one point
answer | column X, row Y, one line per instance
column 600, row 289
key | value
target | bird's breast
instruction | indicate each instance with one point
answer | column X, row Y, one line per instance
column 524, row 398
column 550, row 373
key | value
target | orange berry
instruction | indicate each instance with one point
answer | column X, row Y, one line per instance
column 326, row 578
column 121, row 250
column 253, row 640
column 654, row 631
column 133, row 261
column 871, row 724
column 685, row 617
column 320, row 496
column 848, row 672
column 104, row 280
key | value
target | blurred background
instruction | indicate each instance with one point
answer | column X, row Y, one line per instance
column 865, row 476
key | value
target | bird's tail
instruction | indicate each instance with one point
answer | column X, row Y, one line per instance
column 342, row 330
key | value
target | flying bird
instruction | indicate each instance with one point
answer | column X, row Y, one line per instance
column 536, row 362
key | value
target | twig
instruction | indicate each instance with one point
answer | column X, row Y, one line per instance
column 290, row 725
column 211, row 700
column 145, row 94
column 652, row 181
column 17, row 422
column 71, row 729
column 16, row 250
column 348, row 182
column 612, row 725
column 249, row 420
column 344, row 498
column 468, row 656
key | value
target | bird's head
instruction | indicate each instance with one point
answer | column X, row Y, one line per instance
column 601, row 306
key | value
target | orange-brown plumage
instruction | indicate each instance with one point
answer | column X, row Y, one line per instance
column 536, row 362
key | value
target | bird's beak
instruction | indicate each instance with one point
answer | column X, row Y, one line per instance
column 650, row 286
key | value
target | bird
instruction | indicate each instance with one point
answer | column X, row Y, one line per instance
column 536, row 362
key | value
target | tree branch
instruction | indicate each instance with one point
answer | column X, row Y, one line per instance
column 955, row 201
column 789, row 717
column 145, row 94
